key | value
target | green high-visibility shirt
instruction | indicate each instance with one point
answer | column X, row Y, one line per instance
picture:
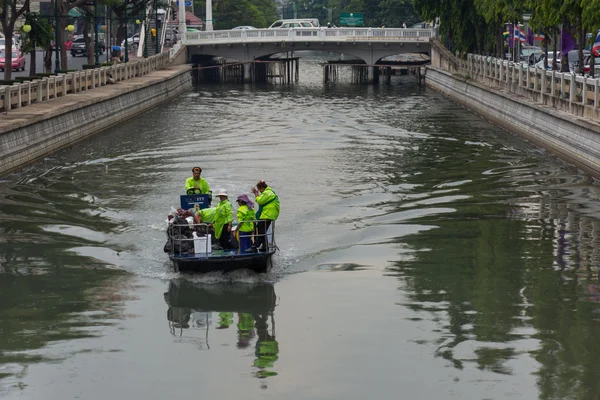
column 270, row 204
column 223, row 216
column 200, row 185
column 245, row 214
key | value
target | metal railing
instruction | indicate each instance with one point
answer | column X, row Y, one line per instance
column 538, row 84
column 311, row 34
column 181, row 239
column 53, row 87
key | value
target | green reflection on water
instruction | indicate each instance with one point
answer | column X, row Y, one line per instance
column 252, row 305
column 56, row 305
column 510, row 288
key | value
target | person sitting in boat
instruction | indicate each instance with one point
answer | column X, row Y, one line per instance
column 223, row 220
column 246, row 217
column 268, row 211
column 196, row 184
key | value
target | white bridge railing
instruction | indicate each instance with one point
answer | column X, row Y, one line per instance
column 569, row 92
column 309, row 34
column 43, row 89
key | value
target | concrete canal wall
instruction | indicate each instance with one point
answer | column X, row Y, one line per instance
column 563, row 130
column 37, row 130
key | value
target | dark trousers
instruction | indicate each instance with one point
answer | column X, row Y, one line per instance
column 224, row 240
column 262, row 227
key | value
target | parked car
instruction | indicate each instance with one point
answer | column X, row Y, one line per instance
column 422, row 25
column 243, row 27
column 18, row 61
column 295, row 23
column 132, row 40
column 78, row 46
column 531, row 54
column 2, row 43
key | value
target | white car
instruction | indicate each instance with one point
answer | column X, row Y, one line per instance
column 135, row 39
column 243, row 27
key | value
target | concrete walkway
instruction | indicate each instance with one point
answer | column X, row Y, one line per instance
column 21, row 117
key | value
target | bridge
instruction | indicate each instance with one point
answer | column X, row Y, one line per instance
column 367, row 44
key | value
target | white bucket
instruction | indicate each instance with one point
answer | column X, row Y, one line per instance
column 202, row 244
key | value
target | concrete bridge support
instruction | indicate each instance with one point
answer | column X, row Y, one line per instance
column 370, row 74
column 247, row 71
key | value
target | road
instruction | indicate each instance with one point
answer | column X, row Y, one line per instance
column 73, row 63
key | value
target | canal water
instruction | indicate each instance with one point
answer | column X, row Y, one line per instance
column 424, row 253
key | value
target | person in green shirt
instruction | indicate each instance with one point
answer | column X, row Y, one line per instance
column 246, row 217
column 268, row 211
column 223, row 219
column 196, row 184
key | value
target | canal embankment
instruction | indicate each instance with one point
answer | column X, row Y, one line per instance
column 36, row 130
column 559, row 112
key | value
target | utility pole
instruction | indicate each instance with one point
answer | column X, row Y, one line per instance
column 56, row 37
column 96, row 50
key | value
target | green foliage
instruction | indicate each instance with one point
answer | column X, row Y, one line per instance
column 40, row 34
column 231, row 13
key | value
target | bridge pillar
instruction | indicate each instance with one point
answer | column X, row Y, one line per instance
column 247, row 77
column 182, row 25
column 209, row 18
column 370, row 74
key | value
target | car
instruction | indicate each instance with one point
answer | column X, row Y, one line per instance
column 295, row 23
column 243, row 27
column 2, row 43
column 132, row 40
column 421, row 25
column 18, row 61
column 78, row 46
column 531, row 54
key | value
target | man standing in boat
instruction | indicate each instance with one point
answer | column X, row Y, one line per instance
column 196, row 184
column 268, row 211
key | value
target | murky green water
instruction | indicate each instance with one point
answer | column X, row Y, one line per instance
column 425, row 253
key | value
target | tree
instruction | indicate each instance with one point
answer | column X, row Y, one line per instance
column 463, row 29
column 9, row 14
column 545, row 17
column 231, row 13
column 393, row 13
column 496, row 13
column 39, row 35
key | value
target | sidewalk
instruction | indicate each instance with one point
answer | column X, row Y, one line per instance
column 21, row 117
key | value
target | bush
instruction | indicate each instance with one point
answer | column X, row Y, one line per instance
column 89, row 66
column 25, row 78
column 8, row 82
column 66, row 71
column 106, row 64
column 45, row 74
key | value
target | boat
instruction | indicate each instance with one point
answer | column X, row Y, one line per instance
column 190, row 245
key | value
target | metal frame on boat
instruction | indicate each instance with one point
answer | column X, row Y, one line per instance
column 206, row 259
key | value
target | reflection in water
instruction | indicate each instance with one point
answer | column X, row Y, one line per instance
column 54, row 307
column 196, row 305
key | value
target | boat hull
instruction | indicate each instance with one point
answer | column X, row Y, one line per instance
column 257, row 262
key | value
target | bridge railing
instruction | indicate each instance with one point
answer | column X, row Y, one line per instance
column 310, row 34
column 44, row 89
column 566, row 91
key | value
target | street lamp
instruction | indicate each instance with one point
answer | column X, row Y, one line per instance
column 26, row 28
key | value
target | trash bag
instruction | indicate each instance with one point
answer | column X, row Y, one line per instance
column 179, row 244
